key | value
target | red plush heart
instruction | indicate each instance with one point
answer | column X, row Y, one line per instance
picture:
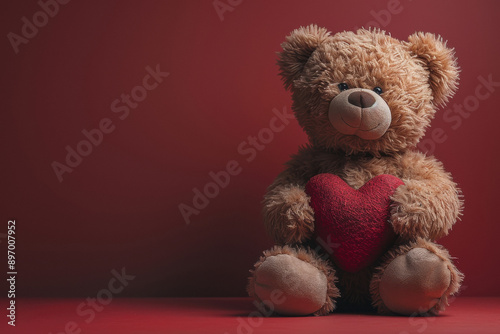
column 355, row 221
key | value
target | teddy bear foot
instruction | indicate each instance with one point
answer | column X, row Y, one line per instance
column 416, row 280
column 293, row 282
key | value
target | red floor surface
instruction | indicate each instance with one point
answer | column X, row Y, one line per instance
column 234, row 315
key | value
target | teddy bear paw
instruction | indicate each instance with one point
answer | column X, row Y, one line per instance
column 414, row 283
column 290, row 286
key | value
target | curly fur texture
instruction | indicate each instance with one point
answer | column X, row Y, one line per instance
column 412, row 74
column 297, row 49
column 441, row 63
column 288, row 216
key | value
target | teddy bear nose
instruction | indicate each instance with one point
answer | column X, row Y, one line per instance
column 361, row 99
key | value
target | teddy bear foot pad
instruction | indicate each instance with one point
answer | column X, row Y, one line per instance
column 293, row 282
column 288, row 275
column 417, row 282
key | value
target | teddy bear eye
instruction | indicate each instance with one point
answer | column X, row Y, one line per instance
column 343, row 86
column 378, row 90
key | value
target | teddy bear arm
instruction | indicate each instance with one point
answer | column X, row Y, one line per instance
column 288, row 217
column 428, row 203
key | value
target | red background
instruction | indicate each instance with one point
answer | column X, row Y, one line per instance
column 119, row 207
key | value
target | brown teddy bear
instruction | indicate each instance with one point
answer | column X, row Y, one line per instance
column 365, row 100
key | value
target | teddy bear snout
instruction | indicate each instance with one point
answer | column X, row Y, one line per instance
column 361, row 99
column 360, row 112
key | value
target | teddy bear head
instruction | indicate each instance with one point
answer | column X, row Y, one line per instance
column 366, row 91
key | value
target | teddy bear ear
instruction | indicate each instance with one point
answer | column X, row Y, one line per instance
column 440, row 61
column 297, row 49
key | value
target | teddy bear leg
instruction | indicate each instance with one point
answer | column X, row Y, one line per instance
column 415, row 279
column 291, row 281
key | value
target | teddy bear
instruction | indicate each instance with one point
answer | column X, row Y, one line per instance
column 364, row 99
